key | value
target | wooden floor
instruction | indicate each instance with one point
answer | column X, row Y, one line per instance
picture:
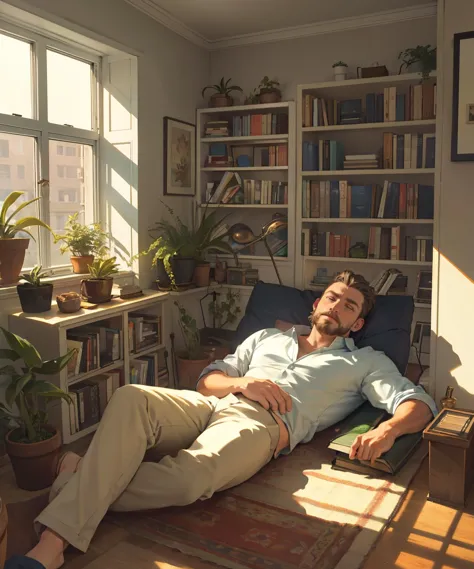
column 422, row 535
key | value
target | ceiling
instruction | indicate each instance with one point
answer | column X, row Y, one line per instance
column 218, row 21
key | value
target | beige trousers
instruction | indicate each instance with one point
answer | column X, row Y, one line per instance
column 209, row 445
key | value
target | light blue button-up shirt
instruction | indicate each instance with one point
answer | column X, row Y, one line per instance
column 325, row 385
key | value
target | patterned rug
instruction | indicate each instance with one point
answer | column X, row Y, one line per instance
column 297, row 513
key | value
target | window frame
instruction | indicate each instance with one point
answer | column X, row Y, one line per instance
column 43, row 131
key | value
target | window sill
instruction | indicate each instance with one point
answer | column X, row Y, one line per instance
column 61, row 282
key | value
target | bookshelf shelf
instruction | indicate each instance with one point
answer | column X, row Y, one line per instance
column 350, row 260
column 78, row 378
column 399, row 126
column 368, row 172
column 370, row 220
column 245, row 169
column 271, row 138
column 257, row 183
column 247, row 206
column 144, row 352
column 107, row 326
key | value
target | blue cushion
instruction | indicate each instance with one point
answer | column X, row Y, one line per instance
column 22, row 562
column 387, row 327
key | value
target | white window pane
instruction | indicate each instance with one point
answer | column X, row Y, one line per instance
column 18, row 173
column 71, row 190
column 69, row 91
column 15, row 71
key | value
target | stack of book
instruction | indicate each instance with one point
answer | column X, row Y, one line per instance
column 217, row 128
column 144, row 331
column 361, row 161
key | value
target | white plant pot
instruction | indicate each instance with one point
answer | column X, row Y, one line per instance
column 340, row 73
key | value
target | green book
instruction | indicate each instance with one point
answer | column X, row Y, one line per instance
column 362, row 420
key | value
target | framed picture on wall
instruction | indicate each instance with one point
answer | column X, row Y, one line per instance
column 179, row 157
column 462, row 136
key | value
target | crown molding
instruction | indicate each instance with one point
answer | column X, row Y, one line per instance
column 150, row 8
column 329, row 26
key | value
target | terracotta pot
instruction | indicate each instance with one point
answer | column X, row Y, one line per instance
column 97, row 291
column 80, row 265
column 34, row 464
column 12, row 256
column 35, row 299
column 68, row 305
column 189, row 371
column 201, row 274
column 266, row 97
column 219, row 100
column 3, row 532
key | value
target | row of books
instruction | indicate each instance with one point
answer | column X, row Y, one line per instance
column 144, row 331
column 263, row 192
column 384, row 243
column 404, row 151
column 393, row 105
column 325, row 155
column 90, row 398
column 97, row 345
column 247, row 156
column 249, row 125
column 146, row 370
column 390, row 281
column 393, row 200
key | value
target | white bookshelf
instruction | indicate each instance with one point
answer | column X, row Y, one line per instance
column 358, row 139
column 254, row 215
column 47, row 331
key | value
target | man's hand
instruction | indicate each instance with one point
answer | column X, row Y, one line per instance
column 267, row 393
column 371, row 445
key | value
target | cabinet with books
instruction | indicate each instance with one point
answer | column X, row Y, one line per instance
column 116, row 343
column 246, row 169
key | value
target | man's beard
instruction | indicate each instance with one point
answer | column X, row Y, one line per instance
column 329, row 327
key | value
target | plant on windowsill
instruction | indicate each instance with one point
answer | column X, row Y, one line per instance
column 32, row 444
column 193, row 359
column 420, row 58
column 13, row 244
column 97, row 287
column 269, row 91
column 35, row 295
column 221, row 97
column 85, row 243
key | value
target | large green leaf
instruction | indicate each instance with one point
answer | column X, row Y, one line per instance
column 23, row 348
column 55, row 366
column 47, row 389
column 9, row 355
column 10, row 394
column 29, row 222
column 9, row 201
column 20, row 383
column 22, row 206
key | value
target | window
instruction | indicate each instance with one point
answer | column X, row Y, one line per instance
column 52, row 135
column 4, row 149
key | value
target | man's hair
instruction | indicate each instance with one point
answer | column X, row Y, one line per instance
column 358, row 282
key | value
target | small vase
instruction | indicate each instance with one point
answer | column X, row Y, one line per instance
column 340, row 73
column 448, row 401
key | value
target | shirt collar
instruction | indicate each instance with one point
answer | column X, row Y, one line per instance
column 338, row 343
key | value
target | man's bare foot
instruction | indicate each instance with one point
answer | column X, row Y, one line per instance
column 69, row 462
column 49, row 550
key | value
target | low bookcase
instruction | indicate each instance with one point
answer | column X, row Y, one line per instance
column 117, row 343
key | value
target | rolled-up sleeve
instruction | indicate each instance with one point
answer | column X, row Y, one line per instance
column 237, row 364
column 386, row 388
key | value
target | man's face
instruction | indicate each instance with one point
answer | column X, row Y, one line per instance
column 338, row 311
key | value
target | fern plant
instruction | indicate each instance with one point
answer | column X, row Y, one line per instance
column 83, row 240
column 103, row 268
column 190, row 332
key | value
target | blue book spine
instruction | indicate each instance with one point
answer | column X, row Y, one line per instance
column 370, row 107
column 361, row 201
column 334, row 199
column 306, row 156
column 430, row 152
column 425, row 202
column 393, row 198
column 314, row 156
column 419, row 152
column 400, row 108
column 400, row 151
column 379, row 108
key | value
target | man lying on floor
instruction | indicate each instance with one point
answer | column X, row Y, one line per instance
column 274, row 392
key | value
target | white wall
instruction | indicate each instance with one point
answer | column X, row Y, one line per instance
column 171, row 71
column 307, row 60
column 454, row 354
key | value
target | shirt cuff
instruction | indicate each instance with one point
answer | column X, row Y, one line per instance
column 222, row 366
column 418, row 396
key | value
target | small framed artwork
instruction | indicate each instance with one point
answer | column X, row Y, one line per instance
column 179, row 157
column 462, row 135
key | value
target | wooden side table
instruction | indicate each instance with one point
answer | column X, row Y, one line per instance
column 451, row 456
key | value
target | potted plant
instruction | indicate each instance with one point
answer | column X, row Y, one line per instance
column 269, row 91
column 340, row 70
column 85, row 242
column 421, row 58
column 32, row 444
column 252, row 97
column 35, row 295
column 97, row 288
column 193, row 359
column 221, row 97
column 13, row 248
